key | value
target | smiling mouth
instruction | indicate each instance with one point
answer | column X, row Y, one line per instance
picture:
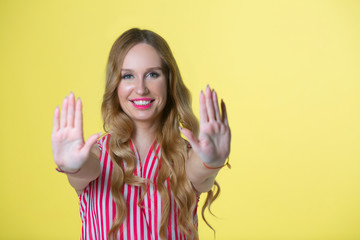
column 141, row 102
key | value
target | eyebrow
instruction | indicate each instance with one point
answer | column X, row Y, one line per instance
column 148, row 69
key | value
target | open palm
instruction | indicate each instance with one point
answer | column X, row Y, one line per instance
column 69, row 149
column 213, row 143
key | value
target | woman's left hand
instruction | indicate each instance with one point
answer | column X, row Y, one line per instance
column 213, row 144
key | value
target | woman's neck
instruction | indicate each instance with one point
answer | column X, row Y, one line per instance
column 143, row 137
column 144, row 133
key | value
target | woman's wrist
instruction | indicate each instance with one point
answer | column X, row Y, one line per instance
column 216, row 165
column 67, row 171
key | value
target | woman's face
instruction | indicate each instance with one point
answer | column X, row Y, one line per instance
column 142, row 89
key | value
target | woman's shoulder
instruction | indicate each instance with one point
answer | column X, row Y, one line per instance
column 103, row 141
column 187, row 144
column 105, row 136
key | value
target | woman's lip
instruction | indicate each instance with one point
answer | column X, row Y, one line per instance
column 141, row 99
column 142, row 106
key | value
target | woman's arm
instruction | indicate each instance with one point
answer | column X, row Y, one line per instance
column 202, row 178
column 89, row 171
column 210, row 151
column 77, row 158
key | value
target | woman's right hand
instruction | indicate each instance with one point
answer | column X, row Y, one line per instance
column 67, row 139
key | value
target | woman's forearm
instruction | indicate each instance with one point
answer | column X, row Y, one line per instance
column 201, row 177
column 87, row 173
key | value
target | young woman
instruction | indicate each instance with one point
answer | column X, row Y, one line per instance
column 142, row 180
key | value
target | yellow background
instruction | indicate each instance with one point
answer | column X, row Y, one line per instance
column 289, row 72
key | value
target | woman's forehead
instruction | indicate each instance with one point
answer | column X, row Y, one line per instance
column 141, row 56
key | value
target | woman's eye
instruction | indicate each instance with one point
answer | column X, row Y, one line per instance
column 126, row 76
column 153, row 75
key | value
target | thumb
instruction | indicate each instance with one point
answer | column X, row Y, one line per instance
column 190, row 137
column 91, row 141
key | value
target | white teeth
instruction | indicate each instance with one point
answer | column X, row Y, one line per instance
column 141, row 102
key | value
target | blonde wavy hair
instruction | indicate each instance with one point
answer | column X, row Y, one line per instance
column 177, row 112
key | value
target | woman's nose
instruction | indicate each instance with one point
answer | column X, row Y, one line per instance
column 141, row 88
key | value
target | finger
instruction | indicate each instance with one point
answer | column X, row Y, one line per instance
column 203, row 111
column 224, row 113
column 216, row 106
column 190, row 137
column 56, row 123
column 209, row 104
column 64, row 113
column 90, row 142
column 70, row 112
column 78, row 123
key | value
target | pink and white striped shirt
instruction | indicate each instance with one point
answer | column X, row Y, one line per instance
column 97, row 207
